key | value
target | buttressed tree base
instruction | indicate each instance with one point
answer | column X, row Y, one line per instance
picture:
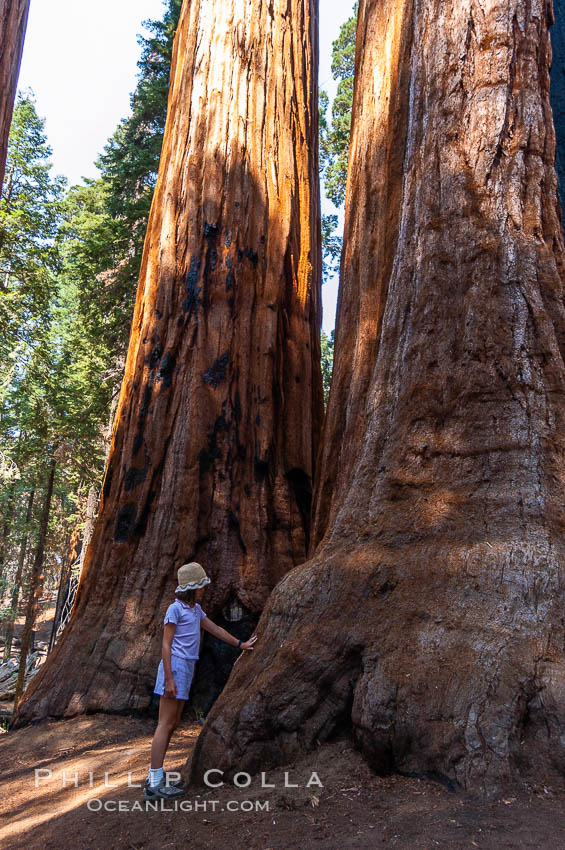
column 217, row 427
column 430, row 618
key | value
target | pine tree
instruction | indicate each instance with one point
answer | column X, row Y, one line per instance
column 327, row 346
column 129, row 167
column 334, row 152
column 334, row 137
column 29, row 216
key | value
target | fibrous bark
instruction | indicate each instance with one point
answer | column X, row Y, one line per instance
column 13, row 23
column 430, row 618
column 74, row 548
column 90, row 522
column 217, row 426
column 557, row 94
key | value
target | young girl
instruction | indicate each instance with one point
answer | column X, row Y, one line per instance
column 181, row 642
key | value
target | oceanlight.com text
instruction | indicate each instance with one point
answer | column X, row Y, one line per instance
column 208, row 806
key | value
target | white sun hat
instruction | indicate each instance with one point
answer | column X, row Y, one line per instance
column 191, row 577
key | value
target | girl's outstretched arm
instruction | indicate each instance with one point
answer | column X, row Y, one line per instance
column 220, row 633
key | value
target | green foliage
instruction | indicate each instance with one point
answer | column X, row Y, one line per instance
column 327, row 343
column 105, row 221
column 334, row 137
column 103, row 233
column 30, row 208
column 334, row 141
column 102, row 236
column 93, row 269
column 30, row 212
column 130, row 161
column 331, row 247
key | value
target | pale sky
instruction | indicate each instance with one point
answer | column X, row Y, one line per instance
column 80, row 59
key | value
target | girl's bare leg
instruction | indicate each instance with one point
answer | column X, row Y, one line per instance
column 180, row 706
column 169, row 716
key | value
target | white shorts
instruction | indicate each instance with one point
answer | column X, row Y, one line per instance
column 182, row 671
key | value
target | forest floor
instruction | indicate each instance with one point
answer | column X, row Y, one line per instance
column 354, row 808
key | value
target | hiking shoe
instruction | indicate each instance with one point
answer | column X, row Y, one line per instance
column 163, row 791
column 178, row 783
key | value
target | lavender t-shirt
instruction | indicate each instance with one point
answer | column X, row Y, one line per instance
column 186, row 640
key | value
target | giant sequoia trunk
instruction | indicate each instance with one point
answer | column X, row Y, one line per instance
column 13, row 22
column 430, row 618
column 219, row 415
column 557, row 94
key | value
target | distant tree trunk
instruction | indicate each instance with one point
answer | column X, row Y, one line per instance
column 218, row 421
column 13, row 22
column 430, row 619
column 78, row 545
column 18, row 579
column 91, row 513
column 35, row 584
column 74, row 552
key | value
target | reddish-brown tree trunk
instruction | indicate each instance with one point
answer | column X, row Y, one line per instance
column 218, row 422
column 557, row 95
column 35, row 583
column 430, row 619
column 13, row 22
column 75, row 548
column 90, row 521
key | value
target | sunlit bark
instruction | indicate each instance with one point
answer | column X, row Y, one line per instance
column 557, row 92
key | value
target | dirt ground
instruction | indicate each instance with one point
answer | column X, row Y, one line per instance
column 354, row 808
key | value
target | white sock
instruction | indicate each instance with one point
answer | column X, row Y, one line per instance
column 155, row 777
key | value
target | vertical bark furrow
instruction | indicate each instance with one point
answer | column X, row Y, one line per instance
column 377, row 156
column 557, row 93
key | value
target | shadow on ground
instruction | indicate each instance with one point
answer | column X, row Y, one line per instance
column 354, row 808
